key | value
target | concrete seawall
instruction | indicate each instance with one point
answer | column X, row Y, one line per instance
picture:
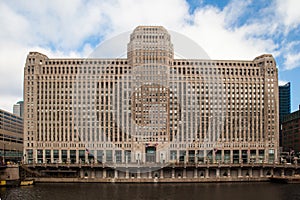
column 9, row 175
column 168, row 174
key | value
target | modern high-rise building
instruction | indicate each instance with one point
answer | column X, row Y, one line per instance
column 284, row 106
column 18, row 108
column 11, row 137
column 284, row 100
column 150, row 107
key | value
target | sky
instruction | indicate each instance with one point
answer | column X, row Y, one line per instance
column 225, row 29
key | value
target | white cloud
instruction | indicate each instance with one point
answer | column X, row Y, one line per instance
column 63, row 24
column 12, row 57
column 211, row 32
column 292, row 60
column 282, row 82
column 286, row 16
column 288, row 11
column 126, row 15
column 234, row 10
column 291, row 55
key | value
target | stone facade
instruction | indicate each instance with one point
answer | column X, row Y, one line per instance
column 150, row 107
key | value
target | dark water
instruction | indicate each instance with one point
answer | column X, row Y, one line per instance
column 220, row 191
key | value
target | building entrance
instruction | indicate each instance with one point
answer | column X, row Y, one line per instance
column 150, row 154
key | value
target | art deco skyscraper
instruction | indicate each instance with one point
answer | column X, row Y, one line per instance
column 150, row 107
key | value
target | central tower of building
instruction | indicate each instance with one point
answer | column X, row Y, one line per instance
column 150, row 53
column 150, row 45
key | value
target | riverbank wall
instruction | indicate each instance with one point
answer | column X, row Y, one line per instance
column 168, row 174
column 9, row 175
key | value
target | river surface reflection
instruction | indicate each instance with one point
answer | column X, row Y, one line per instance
column 185, row 191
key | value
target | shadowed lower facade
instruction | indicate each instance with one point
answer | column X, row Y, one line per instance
column 150, row 108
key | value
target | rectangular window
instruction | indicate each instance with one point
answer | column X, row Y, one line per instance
column 73, row 156
column 64, row 156
column 227, row 156
column 127, row 156
column 55, row 156
column 252, row 156
column 118, row 154
column 236, row 156
column 99, row 156
column 191, row 156
column 109, row 157
column 218, row 155
column 173, row 155
column 182, row 156
column 261, row 156
column 48, row 156
column 40, row 156
column 271, row 156
column 82, row 156
column 30, row 156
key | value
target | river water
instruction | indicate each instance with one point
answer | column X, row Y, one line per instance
column 182, row 191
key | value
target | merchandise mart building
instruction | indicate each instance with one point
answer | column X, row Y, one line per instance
column 150, row 108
